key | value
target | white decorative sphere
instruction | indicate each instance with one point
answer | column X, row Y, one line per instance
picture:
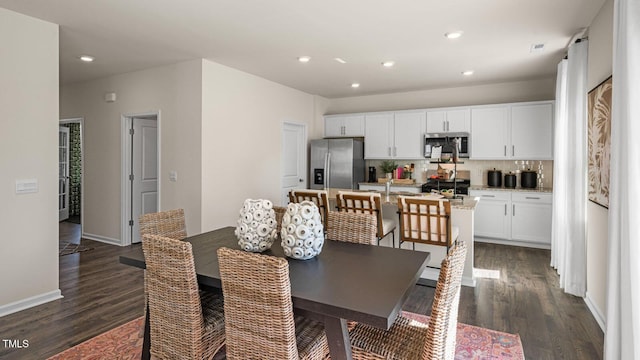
column 302, row 233
column 257, row 226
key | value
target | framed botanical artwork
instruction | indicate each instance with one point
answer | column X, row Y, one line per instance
column 599, row 142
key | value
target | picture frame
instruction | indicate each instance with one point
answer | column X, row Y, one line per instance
column 599, row 141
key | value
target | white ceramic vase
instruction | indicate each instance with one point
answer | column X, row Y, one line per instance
column 256, row 230
column 302, row 232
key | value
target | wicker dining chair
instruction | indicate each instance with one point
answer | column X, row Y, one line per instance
column 318, row 197
column 185, row 323
column 259, row 316
column 170, row 223
column 279, row 210
column 368, row 203
column 410, row 340
column 352, row 227
column 426, row 221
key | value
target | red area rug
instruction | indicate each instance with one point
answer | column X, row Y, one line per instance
column 476, row 343
column 125, row 342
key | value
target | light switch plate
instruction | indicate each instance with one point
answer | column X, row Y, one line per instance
column 26, row 186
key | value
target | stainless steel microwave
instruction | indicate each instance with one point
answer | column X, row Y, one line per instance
column 445, row 140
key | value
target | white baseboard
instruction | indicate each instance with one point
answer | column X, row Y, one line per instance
column 103, row 239
column 29, row 302
column 512, row 242
column 595, row 311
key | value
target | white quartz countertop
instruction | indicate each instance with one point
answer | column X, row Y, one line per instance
column 518, row 189
column 416, row 185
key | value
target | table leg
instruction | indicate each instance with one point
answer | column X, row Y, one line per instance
column 338, row 338
column 146, row 342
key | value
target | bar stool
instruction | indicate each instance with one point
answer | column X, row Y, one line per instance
column 368, row 203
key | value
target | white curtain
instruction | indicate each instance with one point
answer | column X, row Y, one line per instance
column 622, row 335
column 569, row 222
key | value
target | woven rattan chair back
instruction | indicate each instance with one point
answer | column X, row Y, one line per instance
column 176, row 318
column 352, row 227
column 441, row 334
column 318, row 197
column 259, row 322
column 279, row 210
column 362, row 203
column 425, row 221
column 168, row 223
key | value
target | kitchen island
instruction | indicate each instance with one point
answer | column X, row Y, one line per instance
column 462, row 216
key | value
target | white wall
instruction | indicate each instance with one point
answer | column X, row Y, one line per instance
column 600, row 68
column 241, row 138
column 29, row 143
column 532, row 90
column 175, row 91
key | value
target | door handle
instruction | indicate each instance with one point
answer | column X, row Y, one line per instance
column 513, row 210
column 505, row 209
column 513, row 150
column 300, row 180
column 532, row 198
column 505, row 150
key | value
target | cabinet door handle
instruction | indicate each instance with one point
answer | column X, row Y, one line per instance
column 513, row 150
column 532, row 198
column 505, row 150
column 448, row 125
column 505, row 209
column 444, row 125
column 513, row 210
column 389, row 150
column 395, row 151
column 489, row 196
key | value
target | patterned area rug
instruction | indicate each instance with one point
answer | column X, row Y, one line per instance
column 125, row 342
column 67, row 248
column 473, row 342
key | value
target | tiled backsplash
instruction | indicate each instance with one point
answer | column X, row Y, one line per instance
column 477, row 168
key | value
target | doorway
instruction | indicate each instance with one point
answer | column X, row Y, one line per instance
column 294, row 159
column 71, row 170
column 140, row 169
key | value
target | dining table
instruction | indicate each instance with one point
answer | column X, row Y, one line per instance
column 346, row 281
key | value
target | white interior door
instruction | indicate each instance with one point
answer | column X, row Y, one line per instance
column 144, row 171
column 63, row 173
column 294, row 159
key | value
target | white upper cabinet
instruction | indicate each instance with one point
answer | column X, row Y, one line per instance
column 378, row 136
column 512, row 131
column 532, row 131
column 490, row 132
column 351, row 125
column 449, row 120
column 394, row 135
column 409, row 134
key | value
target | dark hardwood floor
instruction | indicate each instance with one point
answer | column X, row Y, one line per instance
column 100, row 294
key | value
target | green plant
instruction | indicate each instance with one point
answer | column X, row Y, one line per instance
column 388, row 166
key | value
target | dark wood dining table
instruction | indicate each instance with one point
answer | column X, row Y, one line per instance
column 351, row 281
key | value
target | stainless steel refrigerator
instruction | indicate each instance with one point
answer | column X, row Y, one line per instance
column 336, row 163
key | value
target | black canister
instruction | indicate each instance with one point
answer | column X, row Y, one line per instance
column 528, row 179
column 494, row 178
column 510, row 180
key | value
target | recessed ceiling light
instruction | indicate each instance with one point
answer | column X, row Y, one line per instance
column 355, row 85
column 388, row 63
column 467, row 73
column 453, row 34
column 86, row 58
column 304, row 59
column 340, row 60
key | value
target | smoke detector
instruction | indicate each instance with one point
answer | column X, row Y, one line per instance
column 535, row 48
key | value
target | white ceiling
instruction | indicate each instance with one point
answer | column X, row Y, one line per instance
column 265, row 38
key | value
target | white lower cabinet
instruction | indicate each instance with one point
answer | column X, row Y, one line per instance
column 395, row 189
column 531, row 217
column 492, row 218
column 515, row 216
